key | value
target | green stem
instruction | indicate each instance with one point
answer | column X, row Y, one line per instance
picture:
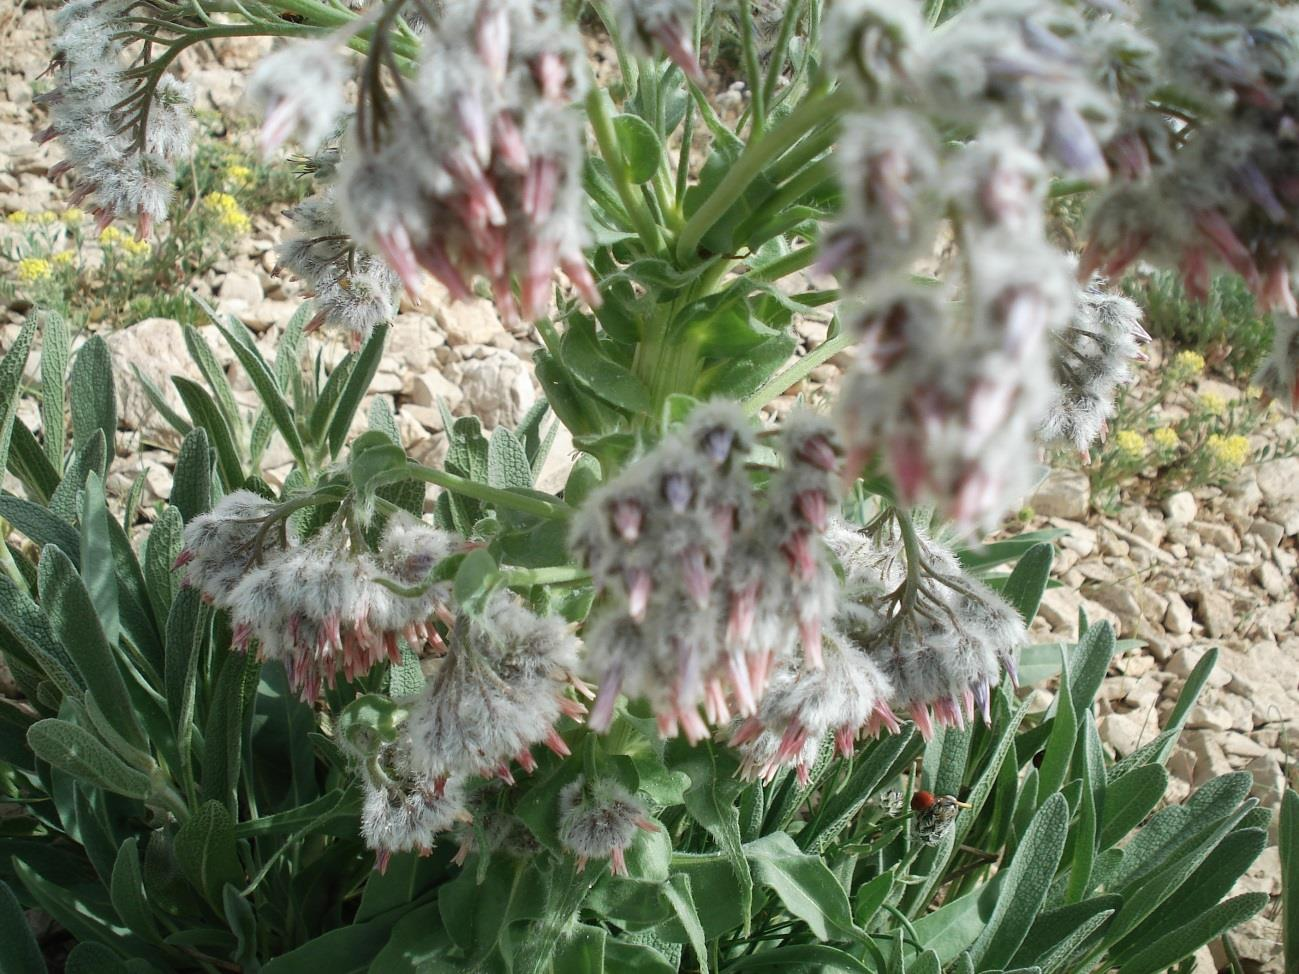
column 526, row 503
column 757, row 93
column 821, row 171
column 793, row 261
column 558, row 575
column 807, row 116
column 777, row 63
column 597, row 110
column 778, row 383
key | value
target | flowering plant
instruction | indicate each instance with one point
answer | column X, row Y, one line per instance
column 653, row 721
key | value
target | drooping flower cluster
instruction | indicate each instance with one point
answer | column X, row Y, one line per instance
column 299, row 88
column 705, row 591
column 316, row 607
column 951, row 382
column 940, row 637
column 500, row 689
column 475, row 168
column 1091, row 358
column 120, row 136
column 402, row 811
column 354, row 290
column 599, row 821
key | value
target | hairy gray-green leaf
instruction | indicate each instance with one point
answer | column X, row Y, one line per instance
column 11, row 379
column 80, row 754
column 94, row 402
column 55, row 345
column 205, row 851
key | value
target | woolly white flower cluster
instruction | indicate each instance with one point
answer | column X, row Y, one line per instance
column 120, row 136
column 475, row 169
column 1091, row 357
column 404, row 812
column 940, row 637
column 316, row 607
column 355, row 291
column 706, row 590
column 599, row 820
column 948, row 394
column 500, row 689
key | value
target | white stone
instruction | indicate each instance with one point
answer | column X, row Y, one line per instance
column 469, row 322
column 155, row 346
column 1269, row 532
column 241, row 290
column 1278, row 481
column 1064, row 493
column 1180, row 507
column 497, row 389
column 1177, row 619
column 427, row 388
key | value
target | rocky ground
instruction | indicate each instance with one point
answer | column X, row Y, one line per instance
column 1208, row 568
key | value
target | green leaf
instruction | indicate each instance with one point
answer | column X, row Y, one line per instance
column 803, row 883
column 358, row 384
column 40, row 525
column 1023, row 891
column 28, row 463
column 55, row 351
column 327, row 401
column 723, row 325
column 1024, row 588
column 92, row 957
column 159, row 402
column 63, row 501
column 711, row 801
column 205, row 414
column 79, row 753
column 1288, row 843
column 211, row 370
column 742, row 376
column 600, row 375
column 94, row 403
column 802, row 956
column 26, row 629
column 677, row 890
column 243, row 923
column 1190, row 937
column 75, row 621
column 160, row 553
column 1057, row 933
column 1088, row 664
column 97, row 558
column 223, row 732
column 344, row 950
column 507, row 463
column 474, row 578
column 191, row 485
column 19, row 951
column 205, row 851
column 642, row 152
column 1128, row 800
column 259, row 373
column 1060, row 745
column 11, row 380
column 127, row 891
column 869, row 897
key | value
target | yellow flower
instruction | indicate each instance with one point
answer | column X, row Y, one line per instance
column 136, row 248
column 17, row 218
column 111, row 235
column 1187, row 364
column 47, row 217
column 33, row 269
column 1229, row 451
column 1213, row 404
column 1165, row 438
column 63, row 258
column 72, row 215
column 238, row 175
column 224, row 208
column 1130, row 443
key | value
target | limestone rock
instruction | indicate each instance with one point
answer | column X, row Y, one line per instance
column 1181, row 507
column 1064, row 493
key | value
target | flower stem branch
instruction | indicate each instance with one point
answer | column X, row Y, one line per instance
column 597, row 110
column 552, row 510
column 781, row 381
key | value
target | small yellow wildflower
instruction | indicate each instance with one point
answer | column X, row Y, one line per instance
column 72, row 215
column 1130, row 443
column 1213, row 404
column 47, row 217
column 1187, row 364
column 238, row 175
column 136, row 248
column 17, row 218
column 63, row 258
column 1165, row 438
column 33, row 269
column 1229, row 451
column 110, row 236
column 225, row 209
